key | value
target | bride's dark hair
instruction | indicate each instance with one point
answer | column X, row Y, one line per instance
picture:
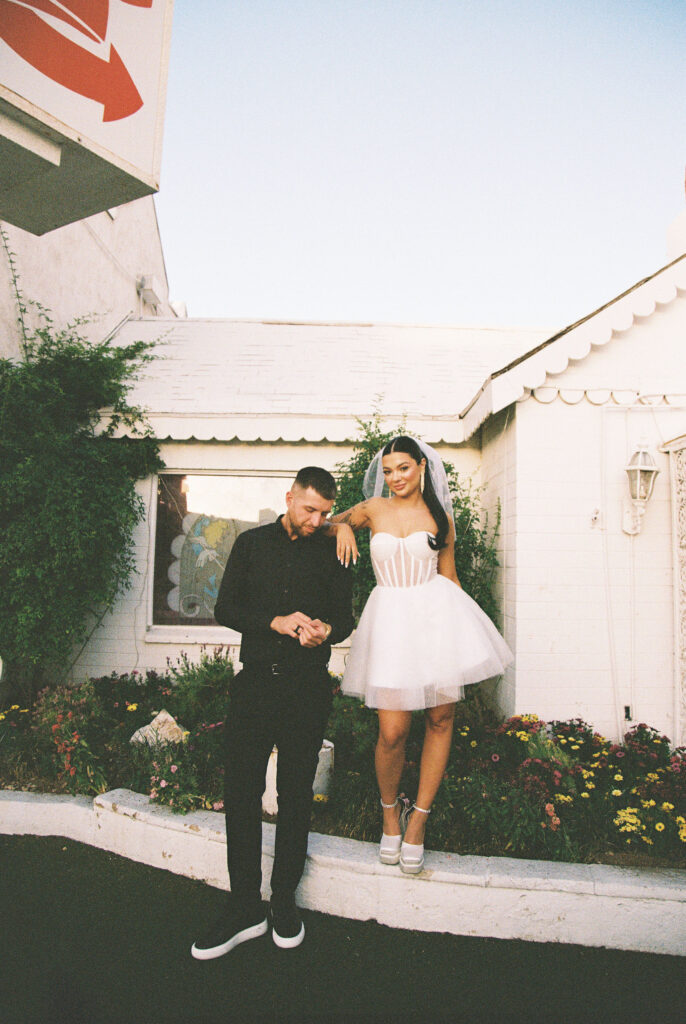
column 409, row 446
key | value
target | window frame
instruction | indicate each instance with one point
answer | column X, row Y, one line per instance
column 204, row 634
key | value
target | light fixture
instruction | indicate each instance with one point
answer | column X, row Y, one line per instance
column 642, row 472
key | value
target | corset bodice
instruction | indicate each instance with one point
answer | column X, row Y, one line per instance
column 402, row 561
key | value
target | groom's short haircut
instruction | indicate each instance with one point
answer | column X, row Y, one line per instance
column 320, row 480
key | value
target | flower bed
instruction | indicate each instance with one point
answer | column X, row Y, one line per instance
column 555, row 791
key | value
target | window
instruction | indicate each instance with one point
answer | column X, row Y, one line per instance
column 199, row 517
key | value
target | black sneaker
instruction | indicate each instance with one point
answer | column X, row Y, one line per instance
column 233, row 927
column 288, row 929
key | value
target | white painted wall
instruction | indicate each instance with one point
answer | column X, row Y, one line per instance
column 87, row 268
column 498, row 474
column 594, row 606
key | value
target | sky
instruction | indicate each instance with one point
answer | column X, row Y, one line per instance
column 453, row 162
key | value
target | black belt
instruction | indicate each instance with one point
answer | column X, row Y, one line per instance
column 276, row 669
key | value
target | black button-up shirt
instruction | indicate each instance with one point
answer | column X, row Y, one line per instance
column 268, row 574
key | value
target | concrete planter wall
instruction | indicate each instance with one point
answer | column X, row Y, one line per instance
column 539, row 901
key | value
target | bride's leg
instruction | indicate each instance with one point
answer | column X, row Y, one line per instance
column 394, row 727
column 435, row 751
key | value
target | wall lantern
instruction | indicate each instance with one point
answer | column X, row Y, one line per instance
column 642, row 472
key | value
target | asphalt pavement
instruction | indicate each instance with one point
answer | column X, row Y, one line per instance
column 87, row 937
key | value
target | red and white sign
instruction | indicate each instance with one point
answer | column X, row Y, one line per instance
column 90, row 74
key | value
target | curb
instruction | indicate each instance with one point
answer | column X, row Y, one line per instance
column 500, row 897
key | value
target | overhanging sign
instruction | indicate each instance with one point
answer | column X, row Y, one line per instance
column 82, row 90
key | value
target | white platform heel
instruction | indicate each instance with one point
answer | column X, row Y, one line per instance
column 389, row 847
column 411, row 854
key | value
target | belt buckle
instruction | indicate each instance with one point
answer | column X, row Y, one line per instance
column 275, row 669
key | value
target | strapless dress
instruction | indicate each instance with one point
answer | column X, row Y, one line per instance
column 420, row 639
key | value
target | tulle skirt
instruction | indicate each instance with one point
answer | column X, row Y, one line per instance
column 417, row 647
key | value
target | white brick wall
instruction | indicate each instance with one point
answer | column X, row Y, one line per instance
column 594, row 607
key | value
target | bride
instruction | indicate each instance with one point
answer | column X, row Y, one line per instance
column 420, row 639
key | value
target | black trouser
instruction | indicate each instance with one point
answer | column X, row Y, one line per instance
column 290, row 709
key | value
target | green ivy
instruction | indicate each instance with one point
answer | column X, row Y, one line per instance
column 476, row 559
column 68, row 504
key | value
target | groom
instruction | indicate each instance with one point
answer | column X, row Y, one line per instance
column 291, row 599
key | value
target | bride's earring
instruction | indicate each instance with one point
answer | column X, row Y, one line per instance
column 422, row 479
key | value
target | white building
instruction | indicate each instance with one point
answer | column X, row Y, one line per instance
column 107, row 266
column 596, row 615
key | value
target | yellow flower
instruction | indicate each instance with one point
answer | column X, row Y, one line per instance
column 659, row 827
column 473, row 743
column 618, row 777
column 320, row 798
column 2, row 718
column 132, row 707
column 616, row 792
column 562, row 798
column 590, row 785
column 575, row 746
column 652, row 777
column 648, row 841
column 15, row 707
column 585, row 795
column 667, row 806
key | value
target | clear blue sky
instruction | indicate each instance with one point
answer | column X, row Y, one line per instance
column 437, row 161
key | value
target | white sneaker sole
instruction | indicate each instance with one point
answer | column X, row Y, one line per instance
column 389, row 858
column 291, row 942
column 253, row 932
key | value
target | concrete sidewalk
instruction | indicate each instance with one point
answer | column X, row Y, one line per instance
column 87, row 937
column 642, row 910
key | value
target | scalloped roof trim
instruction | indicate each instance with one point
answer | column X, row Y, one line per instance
column 527, row 374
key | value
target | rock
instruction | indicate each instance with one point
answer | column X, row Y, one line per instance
column 162, row 729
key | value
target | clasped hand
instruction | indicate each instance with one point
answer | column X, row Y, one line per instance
column 310, row 632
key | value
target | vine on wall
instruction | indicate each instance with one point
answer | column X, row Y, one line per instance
column 68, row 504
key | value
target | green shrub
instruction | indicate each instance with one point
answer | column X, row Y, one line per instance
column 68, row 503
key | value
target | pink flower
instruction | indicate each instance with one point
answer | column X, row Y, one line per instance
column 495, row 757
column 174, row 768
column 163, row 784
column 219, row 806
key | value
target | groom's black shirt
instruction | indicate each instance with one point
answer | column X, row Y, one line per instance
column 268, row 574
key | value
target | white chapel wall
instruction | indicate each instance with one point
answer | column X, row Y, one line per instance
column 595, row 608
column 498, row 475
column 89, row 268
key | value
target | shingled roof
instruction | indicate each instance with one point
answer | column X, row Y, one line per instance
column 257, row 380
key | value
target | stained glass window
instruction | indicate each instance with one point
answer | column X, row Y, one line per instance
column 198, row 519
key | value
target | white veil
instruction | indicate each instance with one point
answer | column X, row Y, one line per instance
column 373, row 483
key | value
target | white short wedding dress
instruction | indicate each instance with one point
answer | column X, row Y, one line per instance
column 420, row 639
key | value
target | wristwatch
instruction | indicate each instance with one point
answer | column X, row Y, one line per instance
column 328, row 630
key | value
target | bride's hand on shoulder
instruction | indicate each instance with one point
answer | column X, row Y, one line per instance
column 346, row 545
